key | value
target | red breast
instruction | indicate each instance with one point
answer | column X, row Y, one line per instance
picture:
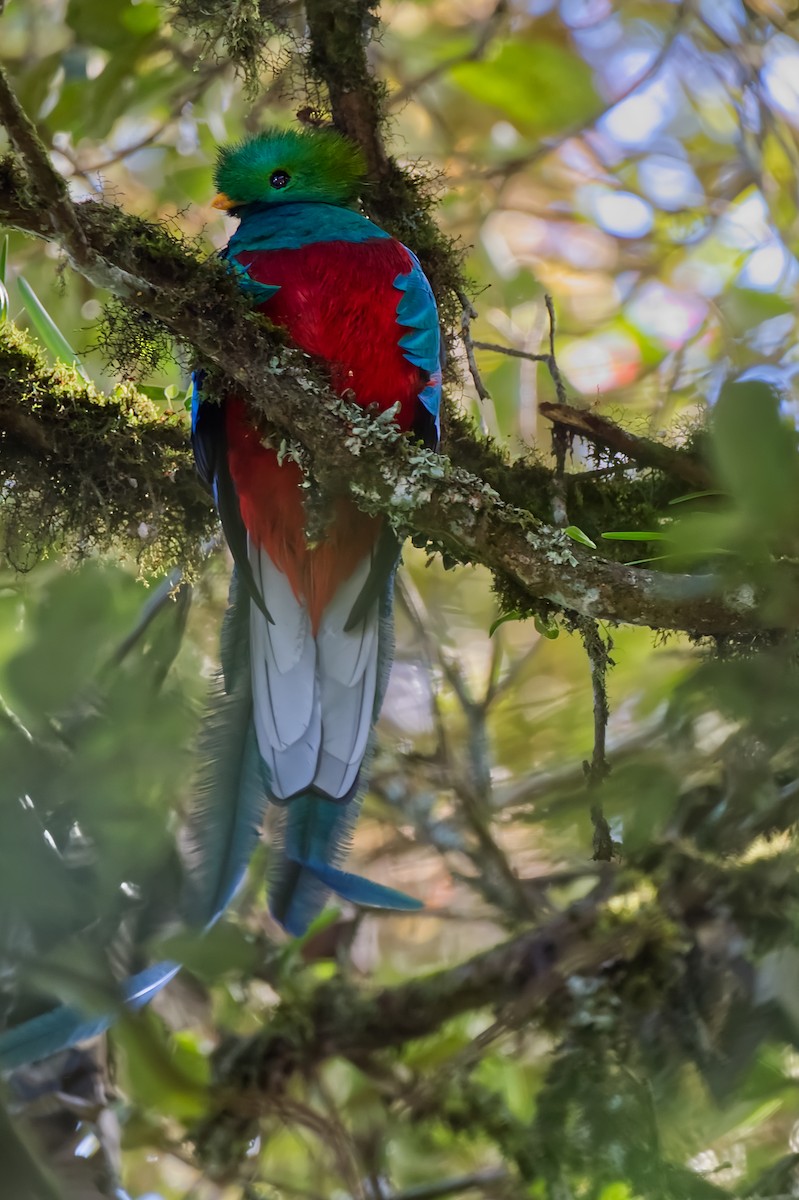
column 338, row 302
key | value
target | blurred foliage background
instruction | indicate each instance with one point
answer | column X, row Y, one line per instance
column 637, row 161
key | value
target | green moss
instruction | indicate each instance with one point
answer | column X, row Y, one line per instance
column 239, row 30
column 132, row 344
column 82, row 472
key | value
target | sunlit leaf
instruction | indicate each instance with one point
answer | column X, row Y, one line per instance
column 46, row 328
column 525, row 81
column 577, row 535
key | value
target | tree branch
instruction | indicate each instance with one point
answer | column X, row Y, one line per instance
column 83, row 471
column 644, row 451
column 339, row 1021
column 460, row 514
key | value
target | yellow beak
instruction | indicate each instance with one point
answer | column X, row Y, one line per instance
column 222, row 201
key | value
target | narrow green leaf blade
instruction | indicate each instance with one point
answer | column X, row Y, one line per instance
column 696, row 496
column 577, row 535
column 46, row 328
column 636, row 535
column 3, row 303
column 508, row 616
column 3, row 258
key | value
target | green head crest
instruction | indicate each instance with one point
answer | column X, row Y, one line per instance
column 277, row 166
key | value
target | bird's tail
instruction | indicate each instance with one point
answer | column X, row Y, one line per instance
column 223, row 831
column 232, row 787
column 312, row 839
column 313, row 832
column 42, row 1036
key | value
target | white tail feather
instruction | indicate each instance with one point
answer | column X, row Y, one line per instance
column 313, row 696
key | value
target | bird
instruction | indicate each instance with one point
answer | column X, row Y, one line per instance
column 307, row 638
column 307, row 641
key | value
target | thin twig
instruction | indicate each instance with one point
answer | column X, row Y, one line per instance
column 453, row 1187
column 598, row 768
column 552, row 362
column 560, row 439
column 469, row 314
column 489, row 28
column 496, row 880
column 511, row 351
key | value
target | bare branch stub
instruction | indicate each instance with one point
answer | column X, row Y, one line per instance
column 645, row 451
column 552, row 362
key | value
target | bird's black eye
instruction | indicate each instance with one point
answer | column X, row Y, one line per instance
column 279, row 179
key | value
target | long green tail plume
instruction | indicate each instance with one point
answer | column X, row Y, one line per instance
column 232, row 788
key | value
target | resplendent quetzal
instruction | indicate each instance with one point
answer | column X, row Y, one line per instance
column 307, row 640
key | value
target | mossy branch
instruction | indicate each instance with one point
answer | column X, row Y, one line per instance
column 457, row 512
column 82, row 471
column 681, row 464
column 339, row 1020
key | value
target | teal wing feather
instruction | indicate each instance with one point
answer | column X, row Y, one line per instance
column 421, row 345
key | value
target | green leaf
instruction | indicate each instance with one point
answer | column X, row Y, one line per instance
column 168, row 1075
column 3, row 303
column 508, row 616
column 746, row 308
column 550, row 631
column 224, row 948
column 755, row 455
column 616, row 1191
column 577, row 535
column 141, row 20
column 526, row 82
column 637, row 535
column 3, row 258
column 696, row 496
column 110, row 24
column 46, row 328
